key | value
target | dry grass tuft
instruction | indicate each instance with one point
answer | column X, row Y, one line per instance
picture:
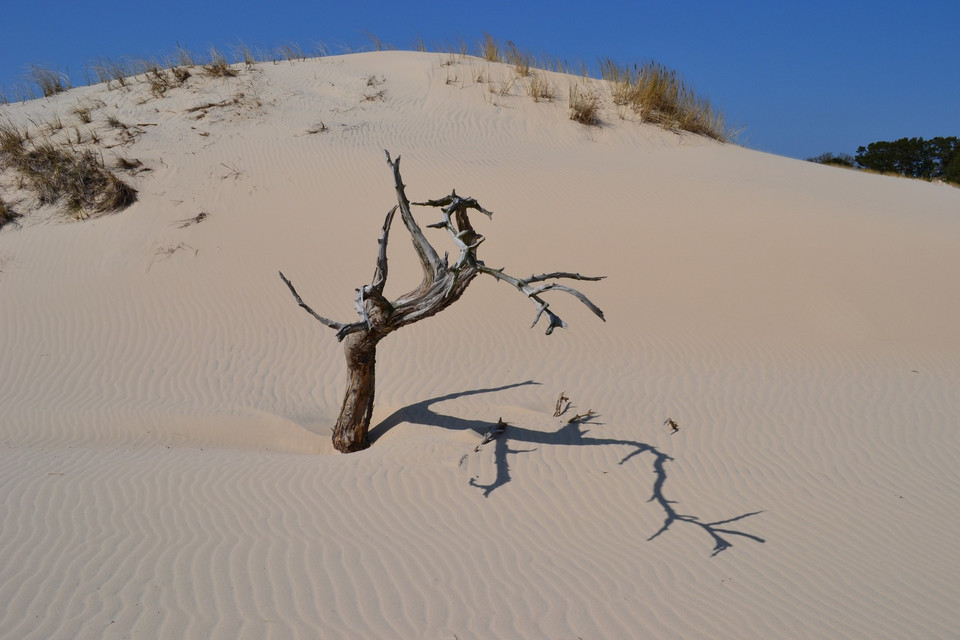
column 541, row 89
column 58, row 174
column 291, row 52
column 12, row 140
column 49, row 81
column 7, row 214
column 489, row 50
column 504, row 87
column 180, row 74
column 78, row 179
column 218, row 67
column 113, row 73
column 83, row 112
column 523, row 62
column 55, row 124
column 245, row 55
column 657, row 94
column 377, row 43
column 161, row 80
column 584, row 105
column 183, row 58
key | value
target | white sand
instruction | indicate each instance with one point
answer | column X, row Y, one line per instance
column 165, row 407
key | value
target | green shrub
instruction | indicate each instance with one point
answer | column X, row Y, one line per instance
column 839, row 160
column 951, row 173
column 914, row 157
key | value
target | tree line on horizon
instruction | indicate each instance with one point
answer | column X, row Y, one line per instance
column 934, row 159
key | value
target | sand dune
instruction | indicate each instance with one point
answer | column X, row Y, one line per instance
column 165, row 407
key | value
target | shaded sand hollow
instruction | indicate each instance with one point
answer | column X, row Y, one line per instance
column 165, row 406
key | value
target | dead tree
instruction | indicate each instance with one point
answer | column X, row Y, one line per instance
column 442, row 285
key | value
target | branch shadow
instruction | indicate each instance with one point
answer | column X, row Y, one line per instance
column 570, row 433
column 421, row 413
column 573, row 434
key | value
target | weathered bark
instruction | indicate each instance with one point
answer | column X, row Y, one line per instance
column 442, row 285
column 350, row 432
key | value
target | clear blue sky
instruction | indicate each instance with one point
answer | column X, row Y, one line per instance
column 802, row 78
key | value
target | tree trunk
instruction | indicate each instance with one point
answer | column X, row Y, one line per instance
column 350, row 432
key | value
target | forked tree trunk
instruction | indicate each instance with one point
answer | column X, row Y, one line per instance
column 442, row 285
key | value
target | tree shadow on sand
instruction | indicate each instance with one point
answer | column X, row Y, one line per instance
column 571, row 433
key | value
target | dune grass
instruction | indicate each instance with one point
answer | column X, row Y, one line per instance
column 7, row 214
column 540, row 88
column 63, row 175
column 72, row 173
column 651, row 91
column 657, row 94
column 218, row 67
column 584, row 105
column 83, row 112
column 489, row 49
column 49, row 81
column 113, row 73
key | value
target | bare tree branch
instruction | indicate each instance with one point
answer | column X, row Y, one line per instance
column 562, row 274
column 427, row 254
column 492, row 433
column 333, row 324
column 463, row 234
column 380, row 273
column 534, row 294
column 374, row 290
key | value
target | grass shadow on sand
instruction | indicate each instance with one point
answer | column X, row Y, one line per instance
column 570, row 433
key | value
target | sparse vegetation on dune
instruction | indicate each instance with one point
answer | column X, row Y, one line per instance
column 489, row 50
column 78, row 179
column 652, row 92
column 657, row 94
column 584, row 105
column 49, row 81
column 541, row 89
column 64, row 164
column 218, row 66
column 113, row 73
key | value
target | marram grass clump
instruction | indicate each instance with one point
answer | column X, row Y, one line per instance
column 63, row 175
column 7, row 214
column 657, row 94
column 584, row 105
